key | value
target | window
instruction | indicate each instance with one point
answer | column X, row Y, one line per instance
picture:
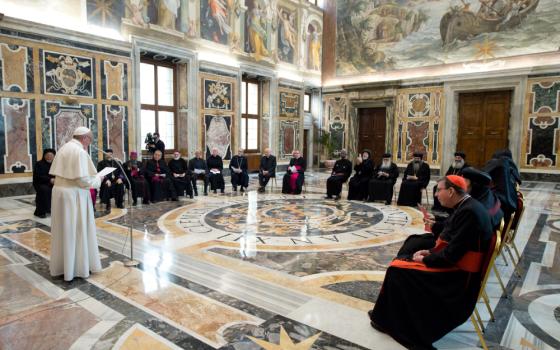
column 157, row 98
column 307, row 102
column 250, row 109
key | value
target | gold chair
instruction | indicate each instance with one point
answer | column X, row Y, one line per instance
column 511, row 233
column 475, row 316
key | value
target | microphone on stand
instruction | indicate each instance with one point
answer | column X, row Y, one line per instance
column 130, row 262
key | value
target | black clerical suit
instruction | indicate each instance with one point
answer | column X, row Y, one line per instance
column 181, row 176
column 242, row 178
column 43, row 187
column 420, row 302
column 410, row 193
column 115, row 189
column 381, row 185
column 268, row 164
column 199, row 171
column 216, row 180
column 339, row 175
column 161, row 186
column 138, row 183
column 292, row 183
column 358, row 185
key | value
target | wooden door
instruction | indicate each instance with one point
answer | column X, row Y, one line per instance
column 371, row 132
column 483, row 124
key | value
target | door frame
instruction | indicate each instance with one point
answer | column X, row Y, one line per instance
column 388, row 104
column 451, row 123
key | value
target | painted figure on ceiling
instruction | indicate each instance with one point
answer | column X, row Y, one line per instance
column 167, row 13
column 257, row 33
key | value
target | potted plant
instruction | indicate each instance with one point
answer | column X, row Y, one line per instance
column 326, row 141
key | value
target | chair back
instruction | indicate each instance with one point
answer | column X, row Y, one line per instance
column 490, row 257
column 510, row 235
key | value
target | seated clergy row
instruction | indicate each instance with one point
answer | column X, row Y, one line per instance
column 372, row 182
column 155, row 180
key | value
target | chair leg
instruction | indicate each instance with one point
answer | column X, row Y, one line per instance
column 513, row 260
column 479, row 319
column 500, row 281
column 504, row 258
column 516, row 250
column 479, row 333
column 487, row 302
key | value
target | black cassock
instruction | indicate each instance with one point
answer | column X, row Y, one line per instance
column 334, row 182
column 292, row 183
column 242, row 178
column 381, row 187
column 358, row 185
column 182, row 182
column 267, row 164
column 161, row 186
column 216, row 180
column 505, row 177
column 451, row 171
column 43, row 187
column 197, row 166
column 116, row 190
column 139, row 184
column 421, row 302
column 410, row 193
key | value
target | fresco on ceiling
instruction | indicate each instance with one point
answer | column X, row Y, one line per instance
column 380, row 35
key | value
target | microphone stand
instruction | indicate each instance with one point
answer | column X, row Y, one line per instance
column 131, row 262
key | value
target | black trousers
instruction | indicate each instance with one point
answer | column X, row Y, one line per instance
column 216, row 181
column 241, row 179
column 263, row 180
column 162, row 189
column 182, row 185
column 140, row 188
column 202, row 177
column 43, row 199
column 334, row 185
column 115, row 190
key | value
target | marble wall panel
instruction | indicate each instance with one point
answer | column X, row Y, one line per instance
column 541, row 124
column 115, row 126
column 289, row 103
column 289, row 137
column 418, row 124
column 67, row 74
column 114, row 80
column 18, row 135
column 218, row 95
column 16, row 68
column 218, row 134
column 336, row 122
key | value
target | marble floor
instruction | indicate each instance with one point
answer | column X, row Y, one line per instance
column 255, row 271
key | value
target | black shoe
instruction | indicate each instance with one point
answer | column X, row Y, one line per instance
column 108, row 208
column 388, row 203
column 242, row 190
column 191, row 196
column 120, row 206
column 215, row 191
column 336, row 198
column 221, row 191
column 328, row 197
column 205, row 193
column 174, row 199
column 135, row 203
column 42, row 216
column 196, row 194
column 235, row 189
column 261, row 189
column 145, row 202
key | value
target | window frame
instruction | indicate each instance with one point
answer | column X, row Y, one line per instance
column 247, row 116
column 310, row 104
column 156, row 107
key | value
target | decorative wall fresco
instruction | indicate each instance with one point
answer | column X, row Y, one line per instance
column 289, row 137
column 314, row 46
column 541, row 124
column 215, row 20
column 289, row 103
column 379, row 35
column 65, row 74
column 418, row 122
column 287, row 34
column 19, row 78
column 217, row 95
column 258, row 29
column 218, row 134
column 42, row 113
column 18, row 135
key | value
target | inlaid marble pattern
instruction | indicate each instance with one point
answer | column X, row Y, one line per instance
column 206, row 283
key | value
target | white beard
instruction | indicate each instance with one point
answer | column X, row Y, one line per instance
column 458, row 164
column 416, row 166
column 386, row 165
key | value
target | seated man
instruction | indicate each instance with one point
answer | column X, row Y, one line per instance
column 358, row 185
column 479, row 188
column 180, row 175
column 416, row 178
column 384, row 178
column 339, row 175
column 139, row 185
column 158, row 174
column 505, row 178
column 113, row 183
column 239, row 171
column 215, row 168
column 43, row 183
column 293, row 180
column 456, row 168
column 427, row 294
column 267, row 169
column 198, row 168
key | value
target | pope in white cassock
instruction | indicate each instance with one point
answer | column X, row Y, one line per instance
column 74, row 250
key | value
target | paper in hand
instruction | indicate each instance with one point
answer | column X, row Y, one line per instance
column 106, row 171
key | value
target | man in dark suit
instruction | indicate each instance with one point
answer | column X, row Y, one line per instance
column 267, row 169
column 113, row 183
column 239, row 171
column 340, row 173
column 416, row 178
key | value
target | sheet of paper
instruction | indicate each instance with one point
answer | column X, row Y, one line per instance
column 106, row 171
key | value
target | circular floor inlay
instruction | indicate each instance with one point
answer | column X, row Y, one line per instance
column 290, row 217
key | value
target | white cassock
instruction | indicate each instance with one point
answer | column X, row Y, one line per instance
column 74, row 250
